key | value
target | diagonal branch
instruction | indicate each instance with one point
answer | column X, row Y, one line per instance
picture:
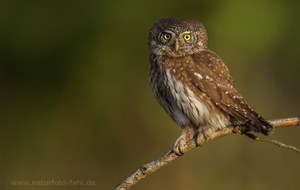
column 170, row 156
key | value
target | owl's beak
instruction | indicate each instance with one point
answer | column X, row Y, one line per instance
column 177, row 45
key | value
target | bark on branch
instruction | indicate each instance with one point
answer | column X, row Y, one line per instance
column 170, row 156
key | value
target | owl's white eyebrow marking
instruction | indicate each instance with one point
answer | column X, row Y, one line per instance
column 198, row 75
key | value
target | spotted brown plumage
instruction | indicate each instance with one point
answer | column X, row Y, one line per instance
column 193, row 84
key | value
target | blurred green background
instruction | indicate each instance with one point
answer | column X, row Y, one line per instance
column 76, row 101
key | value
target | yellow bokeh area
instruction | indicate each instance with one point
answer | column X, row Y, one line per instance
column 77, row 110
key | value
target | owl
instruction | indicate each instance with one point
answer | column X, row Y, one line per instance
column 193, row 84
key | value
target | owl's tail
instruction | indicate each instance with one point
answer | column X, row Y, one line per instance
column 260, row 125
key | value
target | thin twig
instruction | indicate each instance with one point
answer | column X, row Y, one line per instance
column 170, row 156
column 272, row 141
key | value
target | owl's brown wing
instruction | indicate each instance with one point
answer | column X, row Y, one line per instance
column 210, row 75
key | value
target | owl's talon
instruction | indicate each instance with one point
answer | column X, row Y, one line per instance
column 178, row 153
column 180, row 145
column 197, row 143
column 202, row 136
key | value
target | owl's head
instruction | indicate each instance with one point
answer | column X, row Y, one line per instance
column 177, row 37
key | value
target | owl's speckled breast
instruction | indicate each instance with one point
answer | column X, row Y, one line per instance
column 170, row 85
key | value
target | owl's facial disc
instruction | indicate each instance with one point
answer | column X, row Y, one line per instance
column 177, row 37
column 175, row 42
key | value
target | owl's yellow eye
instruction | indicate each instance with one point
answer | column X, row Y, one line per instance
column 167, row 36
column 187, row 37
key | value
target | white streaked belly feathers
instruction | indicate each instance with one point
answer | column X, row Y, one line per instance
column 190, row 109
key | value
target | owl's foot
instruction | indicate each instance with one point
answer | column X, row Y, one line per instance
column 203, row 135
column 180, row 145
